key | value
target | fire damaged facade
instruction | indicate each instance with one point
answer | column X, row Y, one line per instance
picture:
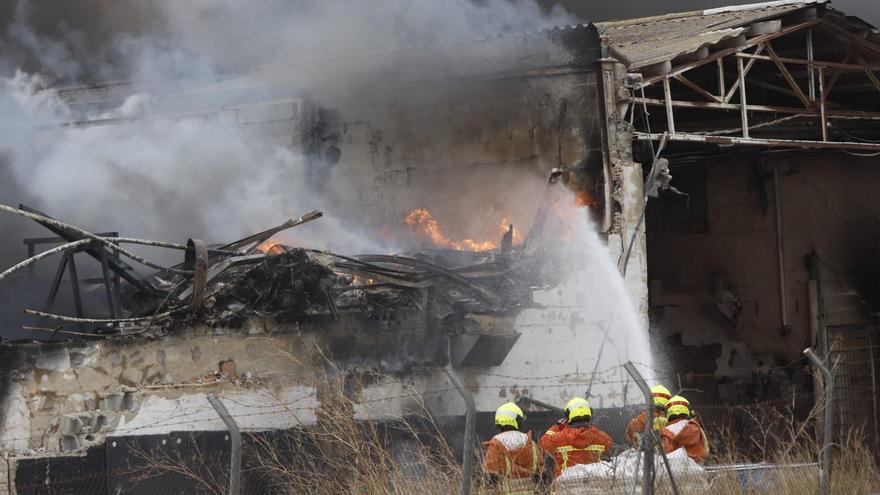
column 726, row 159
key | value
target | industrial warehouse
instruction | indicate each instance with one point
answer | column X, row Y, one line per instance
column 549, row 231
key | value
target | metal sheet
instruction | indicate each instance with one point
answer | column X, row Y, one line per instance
column 650, row 40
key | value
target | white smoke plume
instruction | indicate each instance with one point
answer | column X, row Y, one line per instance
column 198, row 177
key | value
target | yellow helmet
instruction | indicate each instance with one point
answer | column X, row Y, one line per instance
column 661, row 395
column 578, row 408
column 678, row 406
column 509, row 415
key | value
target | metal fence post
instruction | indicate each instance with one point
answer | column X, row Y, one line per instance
column 828, row 444
column 649, row 438
column 235, row 436
column 470, row 426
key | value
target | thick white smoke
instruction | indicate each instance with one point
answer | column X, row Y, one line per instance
column 173, row 179
column 170, row 179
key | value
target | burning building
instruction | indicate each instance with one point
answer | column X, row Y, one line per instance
column 753, row 127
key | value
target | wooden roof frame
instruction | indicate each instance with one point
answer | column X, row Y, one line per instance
column 813, row 99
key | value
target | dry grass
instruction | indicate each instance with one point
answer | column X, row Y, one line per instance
column 338, row 454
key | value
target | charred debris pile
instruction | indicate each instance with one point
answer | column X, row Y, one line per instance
column 229, row 284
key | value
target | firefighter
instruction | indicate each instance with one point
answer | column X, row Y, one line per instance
column 575, row 440
column 636, row 426
column 683, row 431
column 513, row 463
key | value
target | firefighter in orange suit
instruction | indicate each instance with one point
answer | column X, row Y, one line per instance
column 575, row 440
column 636, row 426
column 683, row 431
column 513, row 463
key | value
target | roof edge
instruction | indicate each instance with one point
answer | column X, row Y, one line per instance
column 762, row 5
column 691, row 13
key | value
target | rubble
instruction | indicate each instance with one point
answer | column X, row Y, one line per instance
column 226, row 285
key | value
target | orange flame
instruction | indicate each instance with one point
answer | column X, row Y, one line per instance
column 425, row 225
column 266, row 245
column 568, row 210
column 358, row 280
column 583, row 198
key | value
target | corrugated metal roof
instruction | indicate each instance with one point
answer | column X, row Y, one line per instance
column 650, row 40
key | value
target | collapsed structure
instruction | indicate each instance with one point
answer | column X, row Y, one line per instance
column 743, row 120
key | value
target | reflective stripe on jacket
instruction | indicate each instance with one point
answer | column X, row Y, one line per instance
column 514, row 458
column 575, row 445
column 636, row 426
column 687, row 434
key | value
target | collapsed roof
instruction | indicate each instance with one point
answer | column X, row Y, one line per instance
column 451, row 293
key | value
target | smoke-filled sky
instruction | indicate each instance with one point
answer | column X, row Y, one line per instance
column 136, row 177
column 595, row 10
column 89, row 32
column 114, row 176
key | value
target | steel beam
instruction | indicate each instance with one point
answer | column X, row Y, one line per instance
column 74, row 284
column 849, row 37
column 869, row 72
column 843, row 66
column 696, row 88
column 235, row 448
column 467, row 462
column 667, row 100
column 749, row 65
column 708, row 105
column 823, row 115
column 730, row 51
column 767, row 143
column 788, row 77
column 833, row 82
column 828, row 441
column 743, row 103
column 810, row 69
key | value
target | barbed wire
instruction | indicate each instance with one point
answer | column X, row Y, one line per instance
column 280, row 407
column 185, row 416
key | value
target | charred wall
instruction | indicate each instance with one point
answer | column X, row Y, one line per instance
column 469, row 134
column 468, row 130
column 714, row 264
